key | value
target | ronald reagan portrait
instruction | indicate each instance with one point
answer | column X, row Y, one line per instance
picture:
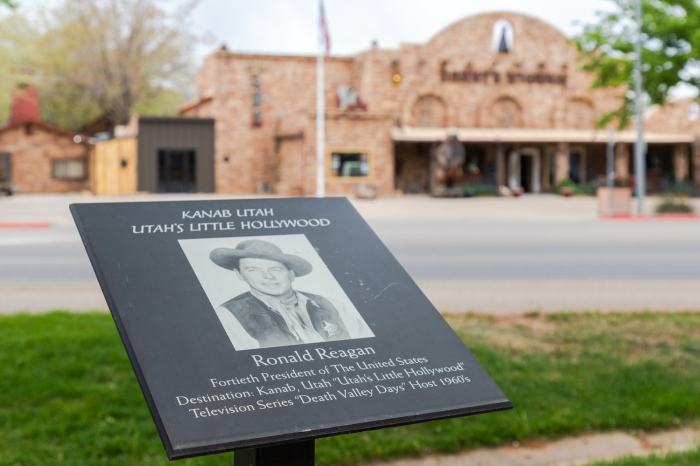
column 271, row 291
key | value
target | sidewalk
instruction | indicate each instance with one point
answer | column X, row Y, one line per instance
column 544, row 207
column 564, row 452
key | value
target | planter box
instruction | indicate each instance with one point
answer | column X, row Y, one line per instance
column 622, row 198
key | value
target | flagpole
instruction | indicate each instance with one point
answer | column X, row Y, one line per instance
column 320, row 113
column 639, row 146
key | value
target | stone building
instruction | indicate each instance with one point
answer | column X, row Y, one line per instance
column 36, row 157
column 680, row 116
column 507, row 85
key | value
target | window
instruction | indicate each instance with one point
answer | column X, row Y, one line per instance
column 69, row 169
column 502, row 37
column 177, row 171
column 350, row 164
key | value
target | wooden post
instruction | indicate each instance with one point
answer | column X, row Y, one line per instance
column 288, row 454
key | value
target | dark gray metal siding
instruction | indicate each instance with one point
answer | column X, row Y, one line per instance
column 175, row 133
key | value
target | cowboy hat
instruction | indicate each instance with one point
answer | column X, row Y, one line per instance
column 257, row 249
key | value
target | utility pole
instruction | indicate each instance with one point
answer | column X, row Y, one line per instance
column 640, row 146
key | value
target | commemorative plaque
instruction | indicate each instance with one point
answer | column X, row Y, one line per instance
column 253, row 323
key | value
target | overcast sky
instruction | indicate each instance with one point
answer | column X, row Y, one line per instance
column 289, row 26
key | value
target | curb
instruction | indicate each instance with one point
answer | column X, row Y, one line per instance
column 25, row 226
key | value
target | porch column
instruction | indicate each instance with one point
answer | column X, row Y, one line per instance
column 680, row 162
column 622, row 162
column 561, row 162
column 696, row 163
column 545, row 169
column 500, row 165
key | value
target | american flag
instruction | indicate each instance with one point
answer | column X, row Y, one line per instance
column 323, row 23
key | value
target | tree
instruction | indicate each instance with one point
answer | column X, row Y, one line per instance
column 20, row 57
column 9, row 3
column 115, row 54
column 670, row 51
column 106, row 57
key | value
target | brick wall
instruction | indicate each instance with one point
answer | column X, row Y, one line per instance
column 33, row 155
column 399, row 86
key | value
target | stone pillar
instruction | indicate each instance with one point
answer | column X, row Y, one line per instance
column 622, row 162
column 545, row 169
column 500, row 165
column 680, row 162
column 561, row 162
column 696, row 163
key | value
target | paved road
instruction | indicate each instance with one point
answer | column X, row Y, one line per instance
column 481, row 255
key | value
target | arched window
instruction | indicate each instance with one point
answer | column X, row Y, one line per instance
column 503, row 37
column 506, row 113
column 430, row 112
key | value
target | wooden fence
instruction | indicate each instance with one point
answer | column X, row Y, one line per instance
column 113, row 167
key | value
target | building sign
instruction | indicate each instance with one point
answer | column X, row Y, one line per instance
column 471, row 75
column 255, row 322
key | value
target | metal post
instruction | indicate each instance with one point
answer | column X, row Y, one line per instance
column 320, row 116
column 288, row 454
column 639, row 147
column 611, row 172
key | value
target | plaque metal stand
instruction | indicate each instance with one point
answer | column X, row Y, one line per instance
column 288, row 454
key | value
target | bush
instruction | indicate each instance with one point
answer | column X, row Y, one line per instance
column 567, row 183
column 674, row 205
column 579, row 189
column 471, row 190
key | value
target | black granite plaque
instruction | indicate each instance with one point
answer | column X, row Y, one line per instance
column 257, row 322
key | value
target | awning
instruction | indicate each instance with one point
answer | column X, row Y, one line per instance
column 525, row 135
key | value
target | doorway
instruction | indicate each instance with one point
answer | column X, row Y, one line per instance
column 5, row 168
column 412, row 167
column 177, row 171
column 524, row 170
column 526, row 173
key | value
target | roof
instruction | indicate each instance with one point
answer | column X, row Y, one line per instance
column 176, row 120
column 410, row 134
column 194, row 102
column 50, row 129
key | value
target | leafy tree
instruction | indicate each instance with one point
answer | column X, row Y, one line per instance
column 110, row 55
column 670, row 50
column 101, row 58
column 9, row 3
column 20, row 57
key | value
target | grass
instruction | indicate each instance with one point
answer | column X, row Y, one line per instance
column 690, row 458
column 68, row 395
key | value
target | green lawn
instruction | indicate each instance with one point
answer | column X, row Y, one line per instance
column 691, row 458
column 68, row 394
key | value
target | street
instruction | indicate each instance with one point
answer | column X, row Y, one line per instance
column 484, row 254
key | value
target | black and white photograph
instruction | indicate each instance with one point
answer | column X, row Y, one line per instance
column 271, row 291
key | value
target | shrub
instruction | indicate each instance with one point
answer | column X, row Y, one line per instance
column 674, row 205
column 471, row 190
